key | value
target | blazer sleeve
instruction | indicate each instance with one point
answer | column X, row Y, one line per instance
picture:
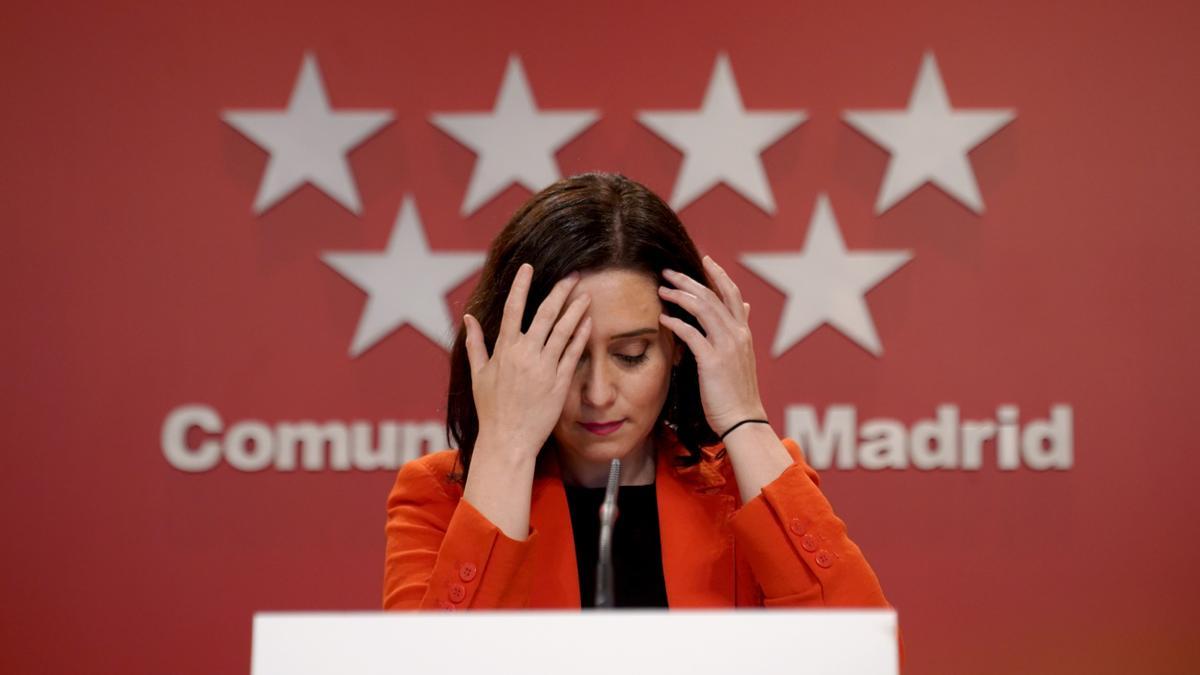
column 798, row 549
column 444, row 554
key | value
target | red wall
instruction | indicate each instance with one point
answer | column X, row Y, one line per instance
column 137, row 279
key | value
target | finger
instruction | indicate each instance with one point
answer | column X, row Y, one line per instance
column 693, row 338
column 731, row 294
column 477, row 354
column 707, row 298
column 550, row 308
column 570, row 357
column 747, row 306
column 566, row 326
column 708, row 311
column 514, row 305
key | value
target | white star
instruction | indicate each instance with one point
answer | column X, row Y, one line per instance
column 407, row 283
column 721, row 142
column 308, row 142
column 515, row 142
column 929, row 142
column 825, row 283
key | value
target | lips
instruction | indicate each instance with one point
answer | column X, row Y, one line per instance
column 604, row 428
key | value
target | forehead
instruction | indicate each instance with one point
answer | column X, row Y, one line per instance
column 622, row 300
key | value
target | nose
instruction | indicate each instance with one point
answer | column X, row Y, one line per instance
column 598, row 389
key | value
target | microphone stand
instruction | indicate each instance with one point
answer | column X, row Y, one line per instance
column 605, row 595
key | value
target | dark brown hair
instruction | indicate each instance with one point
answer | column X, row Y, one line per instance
column 589, row 222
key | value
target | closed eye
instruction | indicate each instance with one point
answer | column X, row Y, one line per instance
column 626, row 359
column 632, row 360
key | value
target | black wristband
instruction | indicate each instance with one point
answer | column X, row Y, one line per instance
column 730, row 430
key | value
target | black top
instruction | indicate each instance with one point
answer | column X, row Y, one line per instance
column 637, row 551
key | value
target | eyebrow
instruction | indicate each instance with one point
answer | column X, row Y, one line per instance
column 634, row 333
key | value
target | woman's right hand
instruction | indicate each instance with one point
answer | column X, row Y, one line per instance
column 520, row 389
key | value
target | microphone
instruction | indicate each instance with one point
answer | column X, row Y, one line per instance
column 608, row 518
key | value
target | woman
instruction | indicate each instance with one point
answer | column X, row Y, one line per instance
column 597, row 332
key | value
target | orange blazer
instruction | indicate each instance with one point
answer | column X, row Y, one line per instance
column 785, row 547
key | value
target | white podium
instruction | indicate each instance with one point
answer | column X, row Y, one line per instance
column 846, row 642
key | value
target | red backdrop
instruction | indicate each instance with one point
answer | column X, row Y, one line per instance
column 138, row 279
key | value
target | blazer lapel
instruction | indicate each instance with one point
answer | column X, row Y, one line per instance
column 556, row 575
column 697, row 547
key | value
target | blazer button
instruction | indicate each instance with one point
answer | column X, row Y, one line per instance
column 467, row 571
column 445, row 605
column 808, row 543
column 824, row 558
column 457, row 593
column 797, row 527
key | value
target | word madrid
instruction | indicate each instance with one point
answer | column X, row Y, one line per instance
column 941, row 443
column 196, row 439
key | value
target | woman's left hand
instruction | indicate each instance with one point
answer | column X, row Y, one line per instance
column 724, row 352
